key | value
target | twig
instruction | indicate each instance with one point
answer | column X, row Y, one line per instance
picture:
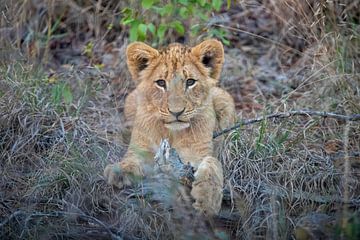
column 168, row 161
column 170, row 177
column 284, row 46
column 354, row 117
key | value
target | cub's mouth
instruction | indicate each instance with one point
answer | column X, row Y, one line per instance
column 177, row 125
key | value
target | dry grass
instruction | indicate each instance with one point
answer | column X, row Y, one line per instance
column 61, row 123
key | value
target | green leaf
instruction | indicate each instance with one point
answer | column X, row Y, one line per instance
column 152, row 28
column 142, row 29
column 168, row 9
column 225, row 41
column 127, row 11
column 165, row 10
column 184, row 2
column 157, row 10
column 133, row 31
column 201, row 2
column 127, row 21
column 184, row 13
column 161, row 31
column 216, row 4
column 178, row 27
column 146, row 4
column 110, row 26
column 191, row 8
column 203, row 16
column 208, row 6
column 127, row 16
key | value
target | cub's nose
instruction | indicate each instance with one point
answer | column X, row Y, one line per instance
column 176, row 114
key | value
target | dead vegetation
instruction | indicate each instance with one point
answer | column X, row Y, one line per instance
column 63, row 81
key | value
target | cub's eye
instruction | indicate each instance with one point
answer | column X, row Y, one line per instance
column 190, row 82
column 161, row 83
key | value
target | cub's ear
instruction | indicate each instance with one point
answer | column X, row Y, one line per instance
column 211, row 54
column 138, row 56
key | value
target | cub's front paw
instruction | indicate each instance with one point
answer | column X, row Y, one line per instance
column 207, row 187
column 208, row 197
column 122, row 174
column 115, row 176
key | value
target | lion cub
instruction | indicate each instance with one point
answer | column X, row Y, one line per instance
column 176, row 98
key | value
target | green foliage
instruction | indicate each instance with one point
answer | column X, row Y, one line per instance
column 261, row 136
column 38, row 89
column 61, row 92
column 88, row 49
column 220, row 34
column 153, row 20
column 349, row 228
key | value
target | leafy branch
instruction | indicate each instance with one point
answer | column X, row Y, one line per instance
column 152, row 20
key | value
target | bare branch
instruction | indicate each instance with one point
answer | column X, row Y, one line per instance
column 168, row 161
column 353, row 117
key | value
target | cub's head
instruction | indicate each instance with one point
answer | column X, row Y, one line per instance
column 174, row 82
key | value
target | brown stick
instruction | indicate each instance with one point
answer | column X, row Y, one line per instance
column 353, row 117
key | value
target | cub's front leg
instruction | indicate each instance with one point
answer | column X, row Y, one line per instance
column 224, row 108
column 123, row 173
column 126, row 172
column 207, row 189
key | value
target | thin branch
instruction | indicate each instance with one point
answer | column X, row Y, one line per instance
column 354, row 117
column 284, row 46
column 168, row 161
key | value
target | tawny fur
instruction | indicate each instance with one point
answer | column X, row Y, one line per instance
column 205, row 108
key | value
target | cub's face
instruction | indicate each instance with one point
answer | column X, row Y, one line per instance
column 175, row 82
